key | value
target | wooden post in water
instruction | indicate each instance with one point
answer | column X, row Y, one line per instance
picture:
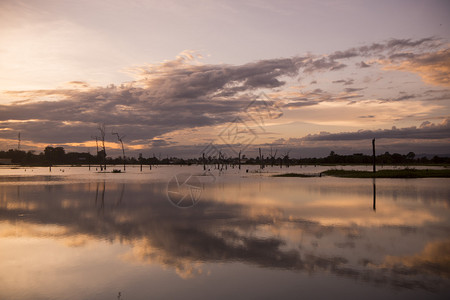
column 260, row 159
column 204, row 162
column 373, row 149
column 239, row 160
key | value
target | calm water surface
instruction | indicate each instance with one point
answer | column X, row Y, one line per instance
column 77, row 234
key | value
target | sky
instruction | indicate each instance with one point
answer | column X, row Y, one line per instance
column 182, row 78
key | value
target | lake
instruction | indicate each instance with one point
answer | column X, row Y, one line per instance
column 180, row 232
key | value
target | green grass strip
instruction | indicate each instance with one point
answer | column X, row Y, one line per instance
column 397, row 173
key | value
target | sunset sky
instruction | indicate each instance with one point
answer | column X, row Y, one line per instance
column 186, row 77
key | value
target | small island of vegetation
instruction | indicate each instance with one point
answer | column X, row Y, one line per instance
column 390, row 173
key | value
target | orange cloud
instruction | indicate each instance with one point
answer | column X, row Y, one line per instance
column 433, row 68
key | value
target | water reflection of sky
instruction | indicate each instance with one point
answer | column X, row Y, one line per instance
column 262, row 235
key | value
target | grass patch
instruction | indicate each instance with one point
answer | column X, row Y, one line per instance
column 398, row 173
column 293, row 175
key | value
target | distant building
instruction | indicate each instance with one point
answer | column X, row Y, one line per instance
column 5, row 161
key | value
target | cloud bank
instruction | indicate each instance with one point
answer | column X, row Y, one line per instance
column 425, row 131
column 184, row 94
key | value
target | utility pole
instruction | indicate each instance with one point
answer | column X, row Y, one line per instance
column 373, row 150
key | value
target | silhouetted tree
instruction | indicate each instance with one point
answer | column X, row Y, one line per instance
column 102, row 153
column 119, row 138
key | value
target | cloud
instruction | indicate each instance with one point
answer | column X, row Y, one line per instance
column 363, row 65
column 345, row 82
column 79, row 83
column 184, row 94
column 433, row 68
column 393, row 45
column 352, row 90
column 160, row 143
column 401, row 98
column 425, row 131
column 321, row 64
column 300, row 104
column 344, row 54
column 166, row 97
column 338, row 67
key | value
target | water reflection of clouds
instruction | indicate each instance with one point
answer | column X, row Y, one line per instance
column 296, row 228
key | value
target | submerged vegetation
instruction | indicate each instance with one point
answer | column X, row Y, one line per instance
column 58, row 156
column 391, row 173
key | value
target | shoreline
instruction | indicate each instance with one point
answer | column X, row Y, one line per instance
column 390, row 173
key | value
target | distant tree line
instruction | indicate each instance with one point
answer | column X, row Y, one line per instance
column 58, row 156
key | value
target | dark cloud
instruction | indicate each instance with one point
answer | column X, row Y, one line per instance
column 300, row 104
column 403, row 55
column 393, row 48
column 338, row 67
column 344, row 54
column 352, row 90
column 347, row 97
column 322, row 64
column 345, row 82
column 400, row 98
column 398, row 45
column 174, row 95
column 408, row 43
column 160, row 143
column 309, row 98
column 363, row 65
column 425, row 131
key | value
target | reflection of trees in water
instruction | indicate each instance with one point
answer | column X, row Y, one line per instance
column 223, row 232
column 102, row 187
